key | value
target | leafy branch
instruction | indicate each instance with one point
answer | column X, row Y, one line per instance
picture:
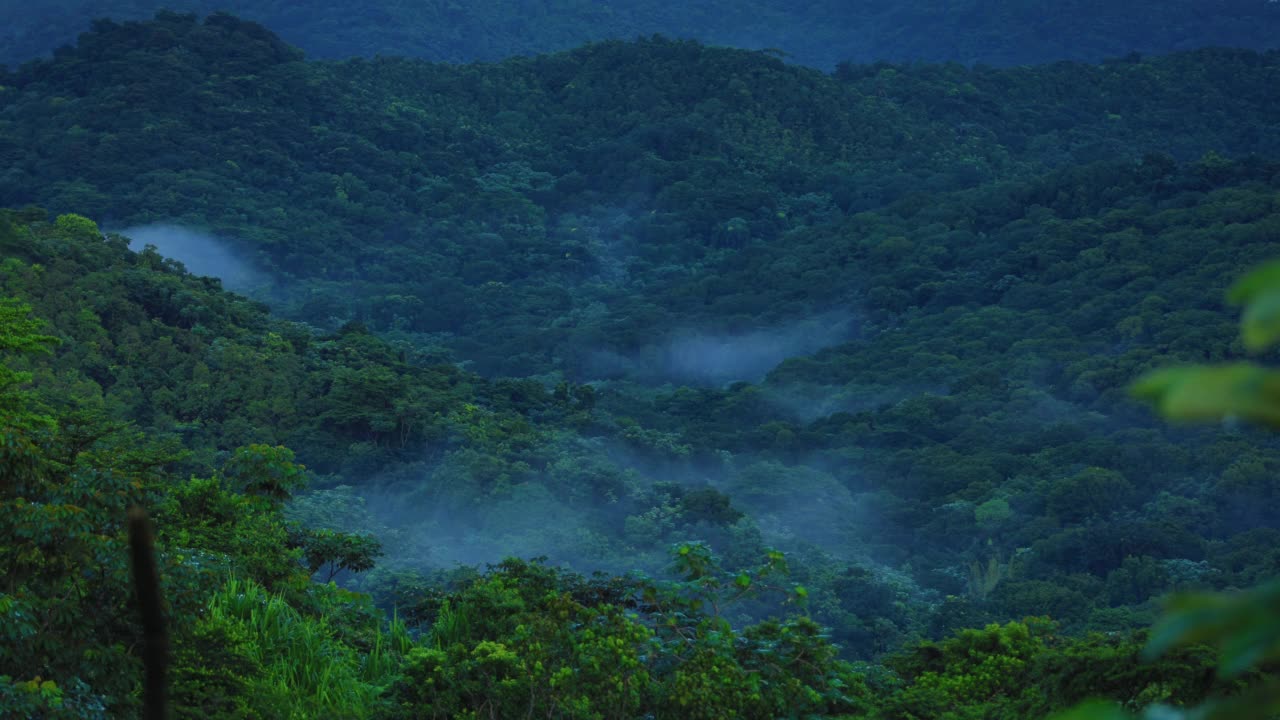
column 1244, row 627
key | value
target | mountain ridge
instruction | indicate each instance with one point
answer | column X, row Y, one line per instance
column 650, row 162
column 820, row 34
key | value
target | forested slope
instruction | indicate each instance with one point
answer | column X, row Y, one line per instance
column 820, row 34
column 607, row 305
column 252, row 636
column 536, row 200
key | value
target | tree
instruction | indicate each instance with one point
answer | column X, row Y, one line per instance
column 265, row 471
column 19, row 336
column 334, row 551
column 1244, row 626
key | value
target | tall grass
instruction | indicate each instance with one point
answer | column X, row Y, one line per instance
column 389, row 647
column 308, row 672
column 452, row 625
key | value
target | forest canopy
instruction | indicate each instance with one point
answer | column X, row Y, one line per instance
column 818, row 33
column 825, row 374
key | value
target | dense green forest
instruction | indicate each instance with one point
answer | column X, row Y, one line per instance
column 818, row 33
column 795, row 394
column 570, row 209
column 255, row 637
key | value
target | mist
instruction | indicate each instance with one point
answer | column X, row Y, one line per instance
column 600, row 507
column 806, row 402
column 202, row 253
column 711, row 358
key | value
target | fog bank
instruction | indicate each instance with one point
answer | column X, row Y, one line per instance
column 202, row 253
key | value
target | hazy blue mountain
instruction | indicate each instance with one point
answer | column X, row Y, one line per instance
column 820, row 33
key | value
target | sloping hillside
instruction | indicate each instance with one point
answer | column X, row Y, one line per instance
column 854, row 345
column 820, row 33
column 534, row 200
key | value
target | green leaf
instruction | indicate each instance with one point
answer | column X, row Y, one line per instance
column 1264, row 279
column 1247, row 647
column 1244, row 626
column 1188, row 618
column 1155, row 384
column 1258, row 703
column 1199, row 393
column 1260, row 323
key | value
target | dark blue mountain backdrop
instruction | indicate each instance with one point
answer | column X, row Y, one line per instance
column 820, row 33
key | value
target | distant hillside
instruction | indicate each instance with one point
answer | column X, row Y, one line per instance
column 820, row 33
column 561, row 210
column 882, row 320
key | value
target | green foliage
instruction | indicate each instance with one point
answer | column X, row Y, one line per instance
column 62, row 506
column 1027, row 669
column 1201, row 393
column 509, row 250
column 235, row 373
column 298, row 668
column 708, row 587
column 1245, row 626
column 518, row 642
column 20, row 331
column 820, row 33
column 19, row 334
column 68, row 628
column 528, row 639
column 1258, row 292
column 1088, row 493
column 263, row 471
column 78, row 226
column 335, row 552
column 992, row 512
column 1243, row 390
column 974, row 670
column 987, row 240
column 46, row 699
column 984, row 577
